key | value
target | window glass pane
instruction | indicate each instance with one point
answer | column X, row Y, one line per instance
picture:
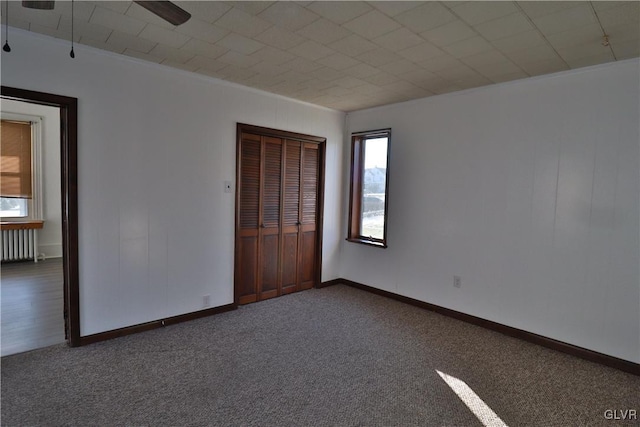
column 13, row 208
column 15, row 159
column 374, row 188
column 368, row 193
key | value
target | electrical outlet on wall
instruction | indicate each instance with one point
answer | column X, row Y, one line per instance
column 457, row 281
column 206, row 301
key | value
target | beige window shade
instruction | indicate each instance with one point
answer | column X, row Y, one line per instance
column 15, row 159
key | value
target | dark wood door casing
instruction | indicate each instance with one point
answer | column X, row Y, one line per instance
column 279, row 196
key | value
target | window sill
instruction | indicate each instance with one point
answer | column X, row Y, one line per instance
column 22, row 224
column 367, row 242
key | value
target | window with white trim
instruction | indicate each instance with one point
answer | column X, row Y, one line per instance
column 20, row 178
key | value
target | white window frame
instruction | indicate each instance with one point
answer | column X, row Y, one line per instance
column 34, row 205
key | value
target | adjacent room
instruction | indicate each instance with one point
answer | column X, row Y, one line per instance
column 32, row 275
column 321, row 213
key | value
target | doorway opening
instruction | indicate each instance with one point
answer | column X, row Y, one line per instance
column 68, row 112
column 30, row 208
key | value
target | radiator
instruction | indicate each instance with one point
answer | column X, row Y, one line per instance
column 18, row 245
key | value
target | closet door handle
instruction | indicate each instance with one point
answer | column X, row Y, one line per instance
column 298, row 223
column 262, row 226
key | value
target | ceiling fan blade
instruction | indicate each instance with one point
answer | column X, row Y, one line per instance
column 41, row 5
column 167, row 11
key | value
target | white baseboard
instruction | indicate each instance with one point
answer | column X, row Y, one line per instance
column 50, row 251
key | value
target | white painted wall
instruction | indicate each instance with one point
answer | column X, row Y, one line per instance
column 50, row 237
column 527, row 190
column 154, row 148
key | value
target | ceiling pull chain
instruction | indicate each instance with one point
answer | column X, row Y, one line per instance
column 6, row 46
column 72, row 54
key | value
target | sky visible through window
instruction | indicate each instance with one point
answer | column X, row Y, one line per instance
column 13, row 208
column 374, row 188
column 376, row 153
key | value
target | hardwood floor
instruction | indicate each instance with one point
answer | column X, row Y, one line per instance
column 32, row 305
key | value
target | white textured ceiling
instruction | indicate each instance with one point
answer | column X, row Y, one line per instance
column 352, row 55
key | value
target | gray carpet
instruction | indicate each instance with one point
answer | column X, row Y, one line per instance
column 331, row 357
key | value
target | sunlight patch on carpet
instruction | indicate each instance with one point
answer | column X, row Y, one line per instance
column 480, row 409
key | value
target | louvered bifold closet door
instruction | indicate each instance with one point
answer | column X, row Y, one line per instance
column 291, row 217
column 309, row 220
column 268, row 284
column 249, row 219
column 278, row 199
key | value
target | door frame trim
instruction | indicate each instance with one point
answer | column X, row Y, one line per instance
column 68, row 107
column 322, row 145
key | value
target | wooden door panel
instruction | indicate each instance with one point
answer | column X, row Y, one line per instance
column 268, row 286
column 310, row 184
column 269, row 282
column 309, row 209
column 248, row 219
column 292, row 184
column 291, row 217
column 272, row 182
column 250, row 181
column 247, row 269
column 308, row 260
column 290, row 262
